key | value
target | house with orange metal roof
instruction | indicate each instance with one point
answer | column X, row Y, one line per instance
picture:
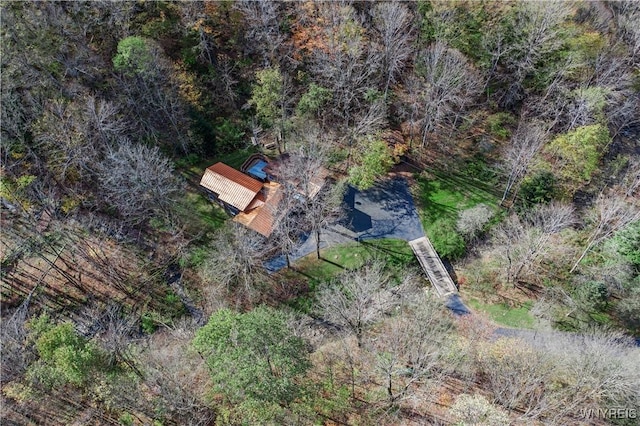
column 252, row 203
column 253, row 198
column 234, row 190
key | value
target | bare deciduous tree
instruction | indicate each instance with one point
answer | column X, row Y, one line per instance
column 103, row 120
column 515, row 374
column 61, row 138
column 322, row 209
column 631, row 179
column 523, row 241
column 177, row 377
column 72, row 135
column 368, row 121
column 614, row 75
column 449, row 83
column 587, row 103
column 346, row 65
column 288, row 226
column 117, row 17
column 627, row 15
column 536, row 27
column 15, row 356
column 194, row 16
column 13, row 125
column 263, row 27
column 412, row 346
column 611, row 212
column 137, row 180
column 352, row 301
column 471, row 221
column 197, row 18
column 321, row 200
column 525, row 144
column 393, row 23
column 114, row 330
column 154, row 97
column 597, row 368
column 234, row 263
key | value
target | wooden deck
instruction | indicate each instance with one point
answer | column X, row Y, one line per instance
column 433, row 267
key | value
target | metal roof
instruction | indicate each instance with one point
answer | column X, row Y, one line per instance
column 232, row 186
column 263, row 218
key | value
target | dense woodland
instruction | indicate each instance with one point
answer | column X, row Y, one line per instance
column 129, row 298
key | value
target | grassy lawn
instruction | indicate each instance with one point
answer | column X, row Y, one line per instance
column 192, row 167
column 233, row 159
column 334, row 260
column 200, row 215
column 396, row 255
column 440, row 198
column 505, row 315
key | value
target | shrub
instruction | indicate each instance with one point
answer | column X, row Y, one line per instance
column 375, row 161
column 628, row 243
column 592, row 295
column 477, row 410
column 64, row 355
column 539, row 188
column 498, row 124
column 133, row 57
column 446, row 240
column 472, row 221
column 577, row 154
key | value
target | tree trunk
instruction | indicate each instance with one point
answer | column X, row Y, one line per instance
column 318, row 243
column 584, row 253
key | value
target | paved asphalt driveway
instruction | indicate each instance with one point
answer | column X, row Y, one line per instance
column 383, row 211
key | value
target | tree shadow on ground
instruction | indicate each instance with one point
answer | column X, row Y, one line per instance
column 432, row 210
column 376, row 248
column 476, row 188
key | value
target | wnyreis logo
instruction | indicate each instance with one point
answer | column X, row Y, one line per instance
column 608, row 413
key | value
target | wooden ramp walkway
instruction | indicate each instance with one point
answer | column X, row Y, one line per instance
column 433, row 267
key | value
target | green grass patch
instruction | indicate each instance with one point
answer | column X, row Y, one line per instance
column 601, row 318
column 192, row 167
column 395, row 254
column 499, row 124
column 505, row 315
column 200, row 215
column 333, row 261
column 440, row 198
column 236, row 158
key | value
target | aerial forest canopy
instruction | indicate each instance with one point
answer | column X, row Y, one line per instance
column 505, row 132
